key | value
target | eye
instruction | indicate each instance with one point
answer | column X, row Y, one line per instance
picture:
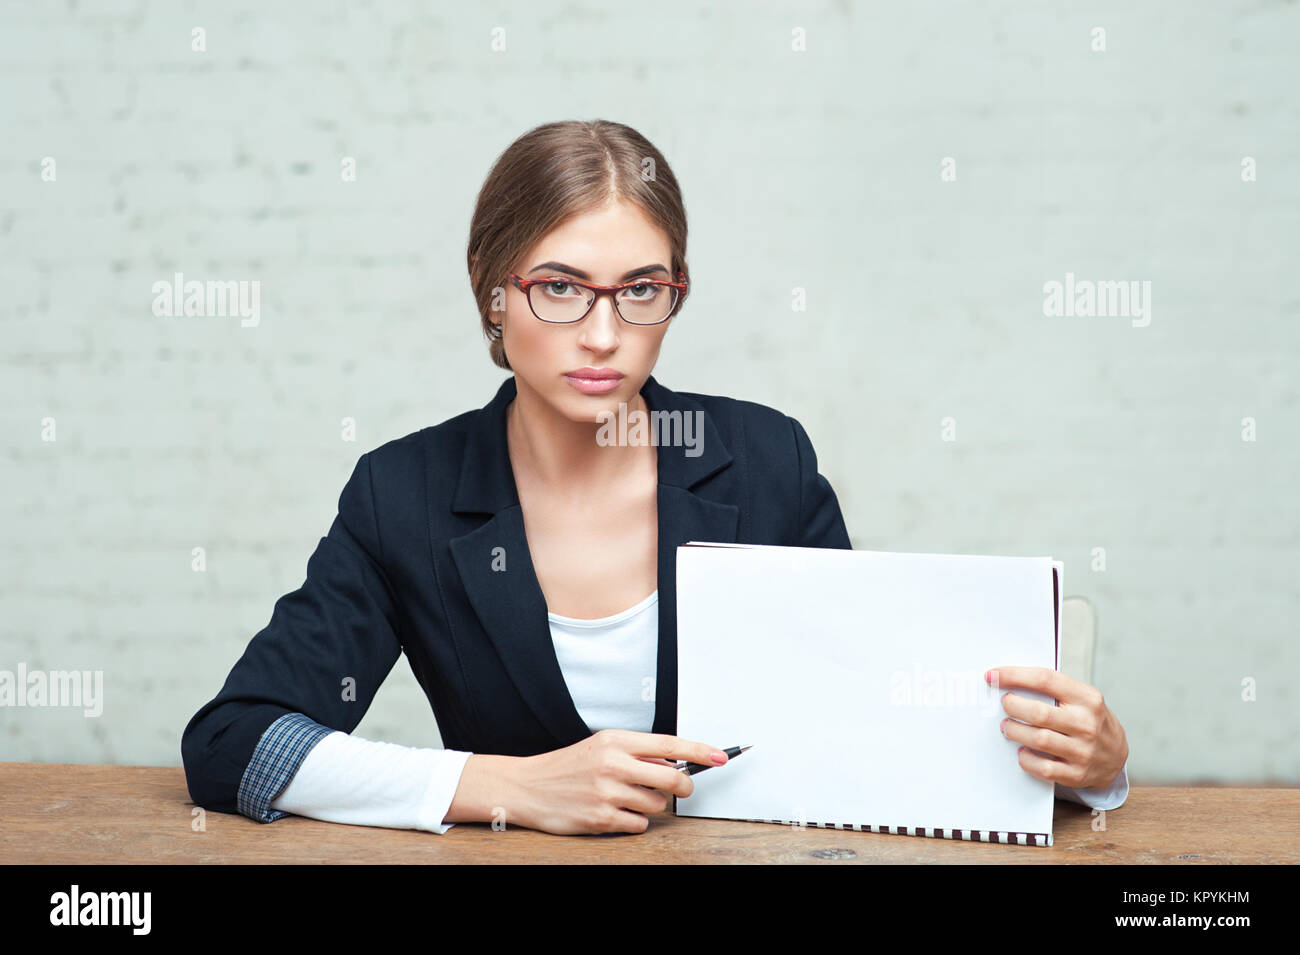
column 563, row 286
column 642, row 289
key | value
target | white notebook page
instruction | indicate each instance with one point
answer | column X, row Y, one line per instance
column 857, row 678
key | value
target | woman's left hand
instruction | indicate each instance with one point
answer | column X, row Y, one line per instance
column 1079, row 743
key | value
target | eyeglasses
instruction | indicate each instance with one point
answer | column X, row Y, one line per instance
column 564, row 300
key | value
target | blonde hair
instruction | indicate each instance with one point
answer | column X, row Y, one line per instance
column 550, row 174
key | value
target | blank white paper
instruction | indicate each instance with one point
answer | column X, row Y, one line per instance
column 857, row 676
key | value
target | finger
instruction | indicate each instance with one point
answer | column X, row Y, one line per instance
column 1050, row 682
column 1037, row 713
column 1052, row 770
column 665, row 746
column 1070, row 719
column 645, row 801
column 655, row 761
column 643, row 772
column 662, row 763
column 624, row 821
column 1045, row 741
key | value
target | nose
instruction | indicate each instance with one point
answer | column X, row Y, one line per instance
column 600, row 329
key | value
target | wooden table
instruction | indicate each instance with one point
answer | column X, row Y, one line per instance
column 72, row 814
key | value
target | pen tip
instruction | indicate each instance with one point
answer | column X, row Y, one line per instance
column 743, row 748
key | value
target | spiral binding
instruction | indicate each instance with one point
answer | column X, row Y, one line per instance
column 965, row 835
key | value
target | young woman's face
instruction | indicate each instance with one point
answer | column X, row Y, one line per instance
column 609, row 246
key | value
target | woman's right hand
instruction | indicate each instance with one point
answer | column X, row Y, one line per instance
column 609, row 782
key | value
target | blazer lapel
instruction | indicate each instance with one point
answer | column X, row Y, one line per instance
column 497, row 570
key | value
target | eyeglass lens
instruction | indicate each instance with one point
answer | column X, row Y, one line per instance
column 642, row 304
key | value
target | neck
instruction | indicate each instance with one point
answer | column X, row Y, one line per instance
column 564, row 454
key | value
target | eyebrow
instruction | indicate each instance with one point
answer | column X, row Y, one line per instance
column 561, row 267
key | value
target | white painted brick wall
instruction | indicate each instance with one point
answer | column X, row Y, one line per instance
column 817, row 170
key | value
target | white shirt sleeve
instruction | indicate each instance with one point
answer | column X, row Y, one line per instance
column 362, row 782
column 1112, row 797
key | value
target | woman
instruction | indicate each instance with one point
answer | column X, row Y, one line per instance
column 524, row 563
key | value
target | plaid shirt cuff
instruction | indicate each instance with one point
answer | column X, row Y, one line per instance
column 278, row 754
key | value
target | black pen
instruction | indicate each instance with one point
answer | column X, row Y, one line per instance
column 690, row 769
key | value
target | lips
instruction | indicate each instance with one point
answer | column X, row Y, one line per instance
column 594, row 381
column 594, row 374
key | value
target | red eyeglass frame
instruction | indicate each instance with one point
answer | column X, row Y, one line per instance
column 524, row 285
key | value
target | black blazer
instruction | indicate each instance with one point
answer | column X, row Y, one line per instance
column 408, row 567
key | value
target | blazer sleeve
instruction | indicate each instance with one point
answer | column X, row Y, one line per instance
column 313, row 669
column 820, row 522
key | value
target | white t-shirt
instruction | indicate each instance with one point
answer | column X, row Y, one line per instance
column 609, row 665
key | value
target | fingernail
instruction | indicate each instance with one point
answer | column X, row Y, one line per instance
column 988, row 676
column 718, row 757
